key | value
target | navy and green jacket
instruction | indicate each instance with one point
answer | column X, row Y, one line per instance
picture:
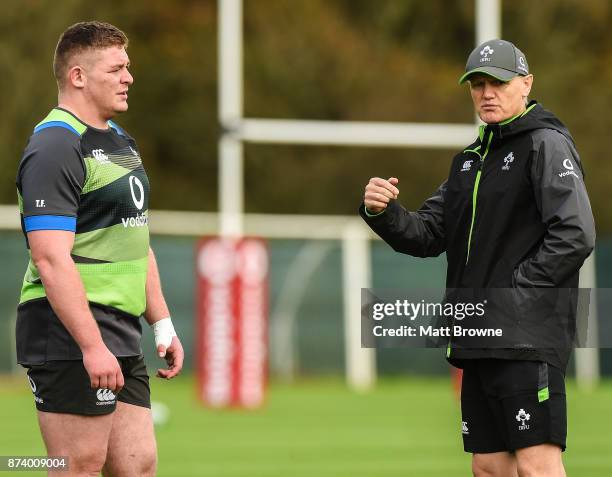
column 513, row 214
column 92, row 182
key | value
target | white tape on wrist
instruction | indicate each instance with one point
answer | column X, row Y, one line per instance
column 164, row 332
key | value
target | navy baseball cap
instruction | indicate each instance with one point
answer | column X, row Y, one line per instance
column 497, row 58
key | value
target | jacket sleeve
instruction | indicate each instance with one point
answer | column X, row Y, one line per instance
column 419, row 233
column 563, row 202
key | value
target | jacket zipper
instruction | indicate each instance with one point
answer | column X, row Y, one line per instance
column 474, row 199
column 481, row 165
column 475, row 192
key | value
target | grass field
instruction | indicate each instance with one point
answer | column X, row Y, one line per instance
column 406, row 427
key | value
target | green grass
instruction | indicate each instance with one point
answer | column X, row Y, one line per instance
column 406, row 427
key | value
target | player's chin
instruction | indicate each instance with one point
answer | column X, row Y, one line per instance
column 120, row 106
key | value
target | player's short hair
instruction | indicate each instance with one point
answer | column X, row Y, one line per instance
column 84, row 36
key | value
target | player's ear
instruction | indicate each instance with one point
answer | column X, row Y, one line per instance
column 76, row 77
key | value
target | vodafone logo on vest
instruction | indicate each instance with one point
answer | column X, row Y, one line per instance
column 140, row 197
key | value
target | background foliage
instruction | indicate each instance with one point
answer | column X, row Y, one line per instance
column 389, row 60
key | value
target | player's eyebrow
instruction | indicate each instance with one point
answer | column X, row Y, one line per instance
column 120, row 65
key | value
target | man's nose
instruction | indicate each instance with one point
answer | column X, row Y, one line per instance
column 128, row 78
column 488, row 91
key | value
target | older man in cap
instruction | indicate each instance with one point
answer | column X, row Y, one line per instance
column 513, row 214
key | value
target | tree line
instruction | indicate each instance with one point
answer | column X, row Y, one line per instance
column 389, row 60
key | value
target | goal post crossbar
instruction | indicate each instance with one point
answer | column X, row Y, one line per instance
column 355, row 133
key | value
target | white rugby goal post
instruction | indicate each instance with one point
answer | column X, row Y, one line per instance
column 237, row 129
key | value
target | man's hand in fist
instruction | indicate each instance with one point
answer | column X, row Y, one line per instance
column 379, row 192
